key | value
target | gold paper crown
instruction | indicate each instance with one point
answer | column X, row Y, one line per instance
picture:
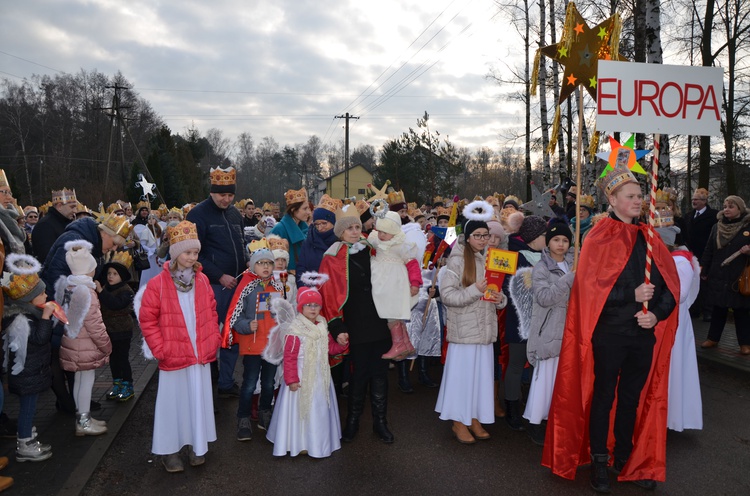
column 292, row 196
column 118, row 224
column 64, row 195
column 396, row 197
column 362, row 207
column 175, row 210
column 83, row 209
column 587, row 201
column 478, row 198
column 187, row 208
column 23, row 276
column 182, row 232
column 492, row 200
column 240, row 205
column 18, row 208
column 615, row 178
column 414, row 213
column 259, row 244
column 411, row 206
column 43, row 209
column 276, row 242
column 124, row 204
column 444, row 211
column 3, row 180
column 438, row 199
column 163, row 209
column 267, row 206
column 330, row 204
column 143, row 204
column 120, row 257
column 114, row 207
column 347, row 211
column 223, row 177
column 663, row 196
column 512, row 198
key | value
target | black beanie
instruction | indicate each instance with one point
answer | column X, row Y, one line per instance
column 558, row 228
column 473, row 225
column 532, row 227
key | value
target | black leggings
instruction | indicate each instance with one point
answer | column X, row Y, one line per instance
column 119, row 360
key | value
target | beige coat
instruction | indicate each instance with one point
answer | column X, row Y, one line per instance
column 470, row 320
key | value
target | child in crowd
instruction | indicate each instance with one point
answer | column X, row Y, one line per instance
column 85, row 345
column 396, row 278
column 28, row 332
column 248, row 323
column 306, row 418
column 280, row 248
column 177, row 313
column 552, row 278
column 116, row 299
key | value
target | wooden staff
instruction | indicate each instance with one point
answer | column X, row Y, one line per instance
column 652, row 214
column 579, row 161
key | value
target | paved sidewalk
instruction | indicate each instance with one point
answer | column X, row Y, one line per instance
column 727, row 354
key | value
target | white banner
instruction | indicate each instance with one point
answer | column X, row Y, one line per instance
column 657, row 98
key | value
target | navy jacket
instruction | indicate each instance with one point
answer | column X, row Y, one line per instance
column 46, row 232
column 55, row 264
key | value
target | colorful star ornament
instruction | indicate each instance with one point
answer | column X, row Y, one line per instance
column 579, row 50
column 539, row 204
column 623, row 155
column 147, row 187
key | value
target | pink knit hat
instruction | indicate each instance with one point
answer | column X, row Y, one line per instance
column 308, row 295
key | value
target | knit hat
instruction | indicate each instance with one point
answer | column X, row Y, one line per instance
column 23, row 283
column 531, row 228
column 183, row 237
column 277, row 254
column 668, row 234
column 472, row 225
column 308, row 295
column 346, row 217
column 258, row 255
column 737, row 201
column 558, row 228
column 78, row 257
column 321, row 213
column 496, row 229
column 514, row 221
column 390, row 223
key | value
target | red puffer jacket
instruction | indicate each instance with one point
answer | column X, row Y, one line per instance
column 163, row 325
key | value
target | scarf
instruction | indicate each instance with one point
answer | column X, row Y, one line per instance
column 15, row 235
column 184, row 279
column 315, row 368
column 727, row 229
column 295, row 233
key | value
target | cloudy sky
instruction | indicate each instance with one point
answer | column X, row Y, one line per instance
column 282, row 68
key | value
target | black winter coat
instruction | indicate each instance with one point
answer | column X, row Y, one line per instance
column 697, row 231
column 220, row 232
column 36, row 376
column 722, row 281
column 46, row 232
column 117, row 310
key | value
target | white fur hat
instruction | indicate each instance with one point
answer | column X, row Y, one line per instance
column 390, row 223
column 78, row 257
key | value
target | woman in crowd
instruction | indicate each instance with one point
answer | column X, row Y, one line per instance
column 293, row 226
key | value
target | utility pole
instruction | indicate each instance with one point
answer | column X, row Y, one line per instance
column 346, row 152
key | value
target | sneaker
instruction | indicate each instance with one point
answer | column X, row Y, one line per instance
column 244, row 430
column 233, row 392
column 264, row 419
column 29, row 450
column 115, row 391
column 126, row 392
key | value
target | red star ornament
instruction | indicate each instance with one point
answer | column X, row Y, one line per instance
column 580, row 50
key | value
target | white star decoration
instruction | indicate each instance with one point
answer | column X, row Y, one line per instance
column 539, row 204
column 147, row 187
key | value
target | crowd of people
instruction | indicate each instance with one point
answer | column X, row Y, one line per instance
column 322, row 301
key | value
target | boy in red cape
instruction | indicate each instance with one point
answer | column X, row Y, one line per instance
column 610, row 345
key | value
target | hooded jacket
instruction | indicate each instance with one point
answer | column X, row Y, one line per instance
column 46, row 232
column 55, row 264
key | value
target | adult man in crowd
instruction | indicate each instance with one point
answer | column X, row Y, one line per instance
column 51, row 226
column 31, row 217
column 570, row 202
column 698, row 224
column 557, row 209
column 222, row 256
column 249, row 219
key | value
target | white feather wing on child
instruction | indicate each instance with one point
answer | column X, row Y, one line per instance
column 16, row 340
column 522, row 295
column 284, row 314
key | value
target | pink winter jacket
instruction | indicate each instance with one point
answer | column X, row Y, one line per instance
column 91, row 348
column 163, row 325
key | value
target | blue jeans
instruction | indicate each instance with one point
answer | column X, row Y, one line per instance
column 26, row 414
column 227, row 356
column 255, row 366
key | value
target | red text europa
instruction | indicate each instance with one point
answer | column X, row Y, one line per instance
column 648, row 92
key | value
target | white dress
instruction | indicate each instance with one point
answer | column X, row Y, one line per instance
column 390, row 279
column 685, row 408
column 318, row 430
column 184, row 413
column 466, row 391
column 149, row 244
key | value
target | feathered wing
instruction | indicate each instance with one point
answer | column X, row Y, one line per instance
column 76, row 310
column 284, row 314
column 522, row 295
column 16, row 340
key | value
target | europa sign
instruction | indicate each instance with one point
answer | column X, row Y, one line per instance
column 657, row 98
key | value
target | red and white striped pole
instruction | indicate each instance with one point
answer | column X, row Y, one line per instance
column 652, row 214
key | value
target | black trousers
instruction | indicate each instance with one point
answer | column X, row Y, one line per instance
column 741, row 324
column 119, row 360
column 621, row 364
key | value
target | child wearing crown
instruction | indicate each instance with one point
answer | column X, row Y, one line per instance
column 116, row 299
column 306, row 419
column 177, row 313
column 248, row 324
column 280, row 249
column 28, row 333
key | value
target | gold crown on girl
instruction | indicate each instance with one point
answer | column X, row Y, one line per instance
column 276, row 242
column 64, row 195
column 330, row 204
column 143, row 204
column 587, row 201
column 175, row 210
column 183, row 231
column 223, row 177
column 163, row 210
column 292, row 196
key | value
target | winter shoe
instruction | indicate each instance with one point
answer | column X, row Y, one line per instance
column 462, row 433
column 647, row 484
column 404, row 384
column 244, row 430
column 126, row 391
column 43, row 447
column 499, row 412
column 115, row 391
column 400, row 348
column 536, row 433
column 355, row 404
column 85, row 426
column 599, row 474
column 194, row 459
column 173, row 463
column 478, row 431
column 424, row 378
column 30, row 450
column 513, row 415
column 264, row 419
column 5, row 483
column 379, row 404
column 3, row 462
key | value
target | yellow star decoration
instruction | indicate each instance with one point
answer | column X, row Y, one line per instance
column 379, row 193
column 582, row 50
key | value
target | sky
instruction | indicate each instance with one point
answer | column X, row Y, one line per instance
column 283, row 68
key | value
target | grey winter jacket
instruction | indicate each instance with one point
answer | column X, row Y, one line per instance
column 551, row 292
column 469, row 319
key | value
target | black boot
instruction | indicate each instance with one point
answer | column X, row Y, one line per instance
column 617, row 467
column 355, row 405
column 379, row 398
column 403, row 376
column 599, row 473
column 513, row 415
column 536, row 433
column 424, row 378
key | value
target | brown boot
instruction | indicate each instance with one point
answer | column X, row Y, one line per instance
column 478, row 431
column 745, row 349
column 5, row 483
column 462, row 433
column 709, row 344
column 499, row 412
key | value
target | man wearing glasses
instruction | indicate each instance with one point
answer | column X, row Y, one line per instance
column 52, row 225
column 31, row 216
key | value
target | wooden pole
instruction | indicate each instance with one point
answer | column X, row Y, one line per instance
column 579, row 160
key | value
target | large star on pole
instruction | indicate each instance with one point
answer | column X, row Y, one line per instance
column 147, row 187
column 624, row 155
column 379, row 193
column 539, row 204
column 580, row 52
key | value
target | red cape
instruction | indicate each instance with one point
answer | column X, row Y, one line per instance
column 567, row 441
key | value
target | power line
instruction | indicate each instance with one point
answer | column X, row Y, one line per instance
column 30, row 61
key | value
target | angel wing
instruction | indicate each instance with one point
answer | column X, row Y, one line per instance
column 284, row 314
column 523, row 299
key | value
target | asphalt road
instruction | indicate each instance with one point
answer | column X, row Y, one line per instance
column 426, row 459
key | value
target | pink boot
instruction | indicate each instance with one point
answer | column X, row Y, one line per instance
column 399, row 350
column 407, row 341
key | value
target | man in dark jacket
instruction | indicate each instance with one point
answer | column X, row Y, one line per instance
column 698, row 224
column 222, row 256
column 52, row 225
